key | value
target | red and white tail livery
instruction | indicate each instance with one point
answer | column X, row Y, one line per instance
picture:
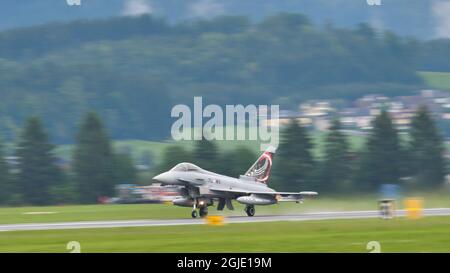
column 260, row 170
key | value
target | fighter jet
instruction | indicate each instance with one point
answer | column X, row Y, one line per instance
column 200, row 188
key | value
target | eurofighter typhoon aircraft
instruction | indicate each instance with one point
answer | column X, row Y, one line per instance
column 200, row 187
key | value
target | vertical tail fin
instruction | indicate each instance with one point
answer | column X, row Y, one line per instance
column 260, row 170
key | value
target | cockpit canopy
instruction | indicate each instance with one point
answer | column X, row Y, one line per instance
column 186, row 167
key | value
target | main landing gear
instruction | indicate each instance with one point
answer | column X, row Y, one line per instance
column 250, row 210
column 203, row 210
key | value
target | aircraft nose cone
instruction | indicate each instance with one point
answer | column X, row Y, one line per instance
column 157, row 177
column 163, row 178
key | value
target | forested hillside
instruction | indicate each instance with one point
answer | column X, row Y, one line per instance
column 423, row 19
column 133, row 70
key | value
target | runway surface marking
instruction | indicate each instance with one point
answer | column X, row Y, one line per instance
column 39, row 212
column 231, row 219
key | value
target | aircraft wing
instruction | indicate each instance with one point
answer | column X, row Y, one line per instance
column 272, row 193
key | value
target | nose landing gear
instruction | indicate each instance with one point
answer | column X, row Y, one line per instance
column 194, row 207
column 194, row 214
column 250, row 210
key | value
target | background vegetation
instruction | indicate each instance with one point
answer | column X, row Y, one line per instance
column 413, row 162
column 132, row 70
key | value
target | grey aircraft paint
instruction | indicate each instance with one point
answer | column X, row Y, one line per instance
column 200, row 187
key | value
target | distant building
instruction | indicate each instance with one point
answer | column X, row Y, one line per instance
column 359, row 114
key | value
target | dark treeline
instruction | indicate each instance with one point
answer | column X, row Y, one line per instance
column 417, row 18
column 35, row 178
column 434, row 55
column 415, row 161
column 133, row 70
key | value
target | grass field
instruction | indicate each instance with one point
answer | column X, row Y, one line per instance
column 438, row 80
column 163, row 211
column 430, row 234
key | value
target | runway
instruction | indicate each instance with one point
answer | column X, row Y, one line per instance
column 231, row 219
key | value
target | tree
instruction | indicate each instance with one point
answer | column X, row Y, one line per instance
column 284, row 23
column 426, row 149
column 5, row 178
column 64, row 192
column 213, row 58
column 206, row 154
column 295, row 154
column 37, row 169
column 336, row 168
column 173, row 155
column 384, row 154
column 124, row 169
column 93, row 160
column 147, row 159
column 236, row 162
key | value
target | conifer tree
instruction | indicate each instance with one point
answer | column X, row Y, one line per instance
column 297, row 163
column 37, row 169
column 336, row 168
column 384, row 153
column 93, row 161
column 426, row 149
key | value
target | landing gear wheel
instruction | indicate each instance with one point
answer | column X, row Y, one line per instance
column 194, row 214
column 203, row 211
column 250, row 210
